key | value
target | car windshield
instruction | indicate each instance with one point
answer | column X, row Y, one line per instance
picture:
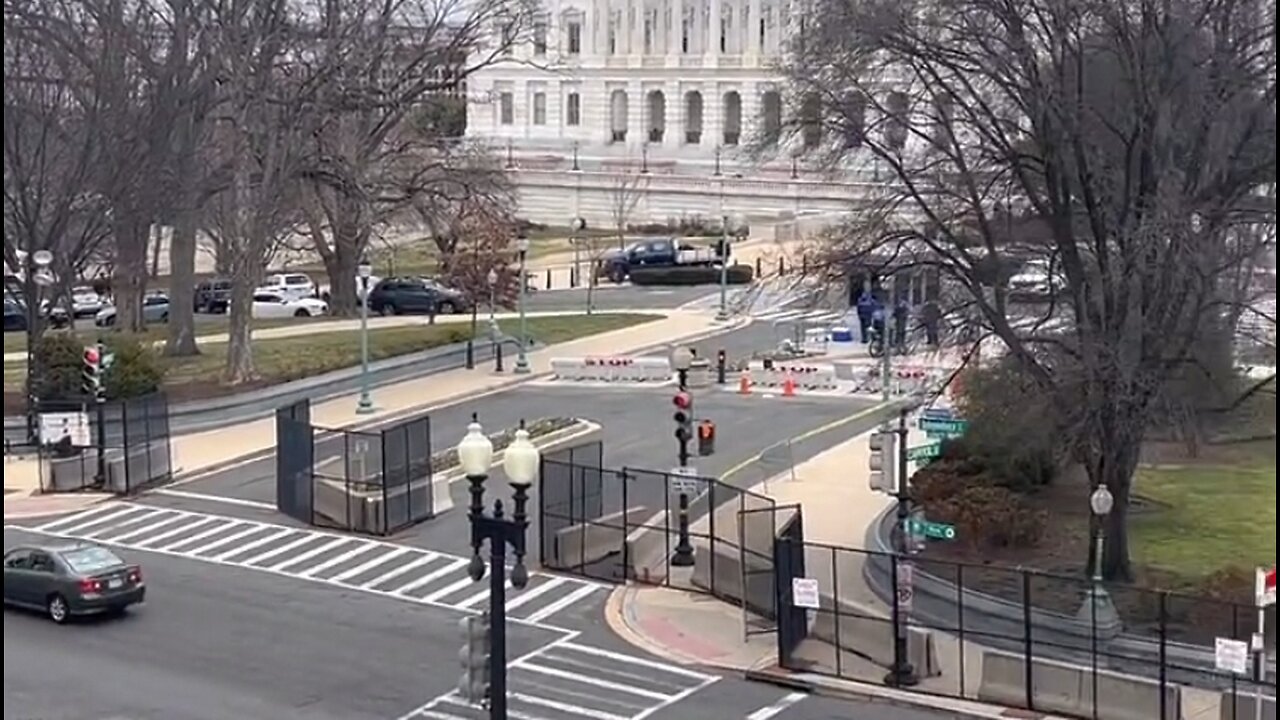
column 89, row 560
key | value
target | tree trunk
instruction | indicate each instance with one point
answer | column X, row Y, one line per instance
column 182, row 281
column 239, row 341
column 1113, row 464
column 130, row 273
column 341, row 265
column 157, row 247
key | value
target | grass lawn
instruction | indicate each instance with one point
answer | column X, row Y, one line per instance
column 1206, row 515
column 205, row 325
column 284, row 359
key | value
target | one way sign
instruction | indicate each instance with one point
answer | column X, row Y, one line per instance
column 1266, row 587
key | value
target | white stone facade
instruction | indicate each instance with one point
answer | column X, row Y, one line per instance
column 601, row 89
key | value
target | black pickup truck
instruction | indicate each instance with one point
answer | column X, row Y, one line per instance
column 667, row 252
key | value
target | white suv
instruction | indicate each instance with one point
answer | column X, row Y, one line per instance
column 293, row 286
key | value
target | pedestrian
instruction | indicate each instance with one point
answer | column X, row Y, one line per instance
column 879, row 319
column 931, row 317
column 866, row 308
column 901, row 314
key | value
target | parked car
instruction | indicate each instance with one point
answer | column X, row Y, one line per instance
column 274, row 306
column 410, row 295
column 155, row 309
column 85, row 302
column 616, row 266
column 213, row 296
column 15, row 317
column 1037, row 277
column 291, row 285
column 68, row 580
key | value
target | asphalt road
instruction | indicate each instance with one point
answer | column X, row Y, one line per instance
column 217, row 641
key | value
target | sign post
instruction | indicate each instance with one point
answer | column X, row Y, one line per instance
column 805, row 594
column 1266, row 598
column 933, row 530
column 924, row 453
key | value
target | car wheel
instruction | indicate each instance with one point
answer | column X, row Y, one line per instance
column 447, row 308
column 388, row 309
column 57, row 608
column 302, row 314
column 164, row 318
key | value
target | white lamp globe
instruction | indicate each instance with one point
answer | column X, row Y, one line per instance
column 475, row 451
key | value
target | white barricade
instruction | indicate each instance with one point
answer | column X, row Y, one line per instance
column 612, row 369
column 807, row 377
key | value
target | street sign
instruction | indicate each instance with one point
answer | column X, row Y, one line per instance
column 685, row 481
column 939, row 413
column 928, row 451
column 932, row 530
column 804, row 593
column 945, row 427
column 1266, row 587
column 1231, row 656
column 906, row 586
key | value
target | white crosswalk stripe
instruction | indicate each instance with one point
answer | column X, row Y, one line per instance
column 388, row 569
column 569, row 680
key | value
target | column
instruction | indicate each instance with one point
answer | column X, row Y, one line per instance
column 712, row 117
column 750, row 94
column 676, row 33
column 754, row 15
column 713, row 29
column 675, row 115
column 637, row 113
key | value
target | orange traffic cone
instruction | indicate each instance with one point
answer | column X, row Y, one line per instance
column 789, row 386
column 744, row 383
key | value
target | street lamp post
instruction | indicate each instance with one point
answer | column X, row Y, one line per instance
column 726, row 232
column 522, row 356
column 681, row 360
column 492, row 280
column 520, row 462
column 1098, row 609
column 576, row 226
column 365, row 404
column 37, row 276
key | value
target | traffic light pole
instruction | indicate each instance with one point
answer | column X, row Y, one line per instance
column 683, row 553
column 902, row 674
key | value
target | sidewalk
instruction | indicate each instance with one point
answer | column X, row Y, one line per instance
column 203, row 452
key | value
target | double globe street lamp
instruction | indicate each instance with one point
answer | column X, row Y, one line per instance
column 1098, row 609
column 522, row 358
column 520, row 462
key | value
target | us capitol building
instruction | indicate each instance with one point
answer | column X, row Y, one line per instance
column 642, row 109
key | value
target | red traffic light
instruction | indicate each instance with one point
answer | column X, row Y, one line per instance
column 91, row 356
column 682, row 400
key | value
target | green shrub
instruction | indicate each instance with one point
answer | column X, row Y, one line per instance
column 135, row 370
column 59, row 357
column 991, row 516
column 1015, row 433
column 691, row 275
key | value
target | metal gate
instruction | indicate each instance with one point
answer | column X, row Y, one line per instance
column 788, row 562
column 295, row 462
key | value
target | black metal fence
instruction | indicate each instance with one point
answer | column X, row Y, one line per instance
column 623, row 525
column 119, row 446
column 1024, row 639
column 375, row 482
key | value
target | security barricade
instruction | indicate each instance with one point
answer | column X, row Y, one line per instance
column 619, row 368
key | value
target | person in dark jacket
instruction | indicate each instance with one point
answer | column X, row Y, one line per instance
column 931, row 317
column 866, row 309
column 901, row 314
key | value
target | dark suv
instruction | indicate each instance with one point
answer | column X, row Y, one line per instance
column 213, row 296
column 408, row 296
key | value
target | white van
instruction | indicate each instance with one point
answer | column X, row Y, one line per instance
column 293, row 286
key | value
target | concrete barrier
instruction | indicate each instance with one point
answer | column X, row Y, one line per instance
column 620, row 368
column 1246, row 707
column 591, row 542
column 1068, row 689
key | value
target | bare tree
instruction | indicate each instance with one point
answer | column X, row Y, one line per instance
column 1117, row 143
column 624, row 195
column 373, row 154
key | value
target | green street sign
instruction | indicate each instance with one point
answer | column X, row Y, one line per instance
column 945, row 428
column 927, row 451
column 933, row 530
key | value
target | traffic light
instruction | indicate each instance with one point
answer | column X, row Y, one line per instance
column 706, row 438
column 473, row 686
column 92, row 369
column 723, row 249
column 684, row 423
column 883, row 464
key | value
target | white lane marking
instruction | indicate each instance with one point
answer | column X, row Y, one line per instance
column 244, row 549
column 75, row 517
column 147, row 528
column 101, row 518
column 565, row 707
column 678, row 697
column 512, row 714
column 255, row 504
column 154, row 539
column 223, row 542
column 188, row 541
column 447, row 569
column 437, row 715
column 298, row 559
column 126, row 523
column 480, row 597
column 338, row 560
column 371, row 564
column 397, row 572
column 776, row 709
column 633, row 660
column 603, row 684
column 534, row 593
column 564, row 602
column 276, row 552
column 448, row 589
